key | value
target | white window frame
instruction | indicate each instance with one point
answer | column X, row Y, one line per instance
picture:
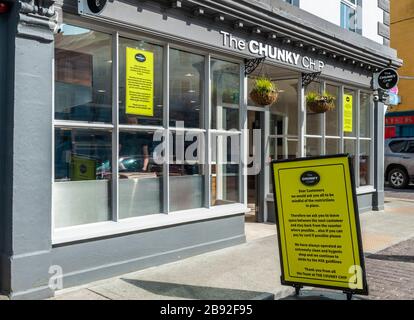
column 116, row 225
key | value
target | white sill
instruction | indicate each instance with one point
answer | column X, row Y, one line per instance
column 130, row 225
column 359, row 191
column 366, row 190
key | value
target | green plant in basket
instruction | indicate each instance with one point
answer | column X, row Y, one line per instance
column 264, row 92
column 320, row 103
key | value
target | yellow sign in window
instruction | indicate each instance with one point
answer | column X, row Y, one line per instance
column 317, row 219
column 83, row 169
column 348, row 112
column 139, row 82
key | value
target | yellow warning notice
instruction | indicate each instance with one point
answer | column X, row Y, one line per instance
column 317, row 218
column 348, row 113
column 83, row 169
column 139, row 82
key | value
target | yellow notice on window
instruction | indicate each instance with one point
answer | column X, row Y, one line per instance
column 348, row 113
column 318, row 224
column 83, row 169
column 139, row 82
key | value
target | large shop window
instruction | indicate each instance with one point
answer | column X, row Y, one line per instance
column 345, row 129
column 101, row 120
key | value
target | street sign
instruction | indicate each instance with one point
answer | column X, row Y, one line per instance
column 386, row 79
column 318, row 224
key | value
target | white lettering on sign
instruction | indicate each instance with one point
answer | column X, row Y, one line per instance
column 265, row 50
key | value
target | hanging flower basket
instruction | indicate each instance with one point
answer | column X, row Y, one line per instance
column 264, row 92
column 320, row 103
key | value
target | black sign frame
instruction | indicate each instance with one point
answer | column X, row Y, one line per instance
column 383, row 84
column 298, row 285
column 96, row 6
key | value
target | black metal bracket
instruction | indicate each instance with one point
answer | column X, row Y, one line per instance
column 307, row 78
column 250, row 65
column 349, row 295
column 297, row 289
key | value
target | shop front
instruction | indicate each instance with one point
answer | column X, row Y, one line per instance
column 137, row 141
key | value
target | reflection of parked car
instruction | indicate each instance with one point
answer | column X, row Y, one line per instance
column 399, row 162
column 128, row 164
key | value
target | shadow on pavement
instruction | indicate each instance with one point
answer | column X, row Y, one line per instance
column 197, row 292
column 395, row 258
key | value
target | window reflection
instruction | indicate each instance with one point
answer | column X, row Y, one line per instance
column 186, row 88
column 332, row 117
column 83, row 76
column 365, row 115
column 83, row 170
column 225, row 170
column 140, row 184
column 364, row 163
column 225, row 93
column 186, row 171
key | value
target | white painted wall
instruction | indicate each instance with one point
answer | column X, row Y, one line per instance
column 325, row 9
column 371, row 15
column 330, row 11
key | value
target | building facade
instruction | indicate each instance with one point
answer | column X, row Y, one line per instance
column 402, row 24
column 371, row 19
column 162, row 90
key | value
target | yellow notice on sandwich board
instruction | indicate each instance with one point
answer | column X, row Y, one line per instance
column 318, row 224
column 139, row 82
column 83, row 169
column 348, row 112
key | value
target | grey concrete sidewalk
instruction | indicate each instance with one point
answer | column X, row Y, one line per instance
column 248, row 271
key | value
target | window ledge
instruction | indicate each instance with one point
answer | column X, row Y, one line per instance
column 366, row 190
column 110, row 228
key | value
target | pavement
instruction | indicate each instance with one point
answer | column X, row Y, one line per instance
column 252, row 270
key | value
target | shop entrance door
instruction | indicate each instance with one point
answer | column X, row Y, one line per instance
column 255, row 180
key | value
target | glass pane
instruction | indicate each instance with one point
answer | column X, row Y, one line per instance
column 398, row 146
column 186, row 89
column 286, row 108
column 365, row 115
column 140, row 174
column 333, row 147
column 225, row 95
column 313, row 147
column 186, row 171
column 350, row 148
column 152, row 108
column 332, row 117
column 83, row 172
column 225, row 170
column 281, row 149
column 83, row 75
column 349, row 113
column 348, row 17
column 364, row 163
column 313, row 120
